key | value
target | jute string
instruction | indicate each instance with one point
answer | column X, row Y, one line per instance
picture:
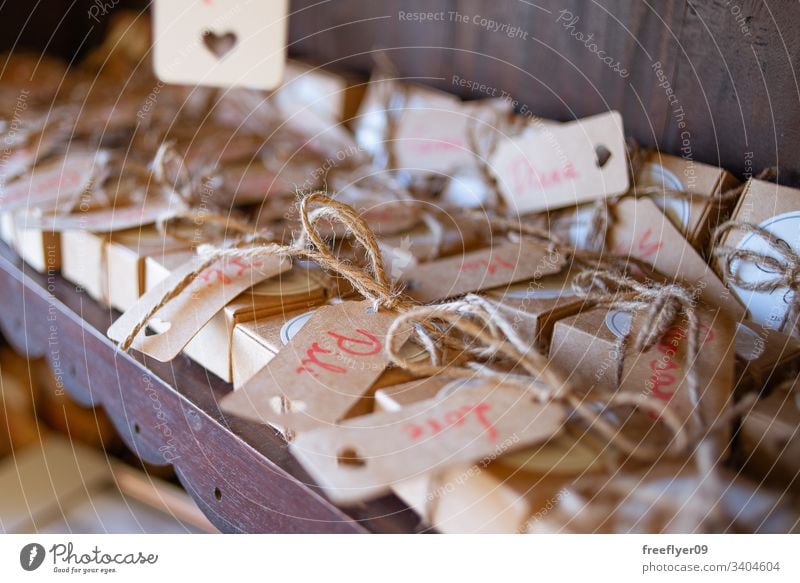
column 372, row 283
column 482, row 329
column 660, row 306
column 781, row 264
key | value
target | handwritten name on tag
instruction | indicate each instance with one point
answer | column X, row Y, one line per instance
column 562, row 165
column 177, row 322
column 363, row 457
column 56, row 182
column 326, row 368
column 479, row 270
column 437, row 139
column 222, row 43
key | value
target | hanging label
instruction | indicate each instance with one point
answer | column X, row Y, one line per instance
column 479, row 270
column 222, row 43
column 362, row 458
column 325, row 369
column 176, row 323
column 563, row 165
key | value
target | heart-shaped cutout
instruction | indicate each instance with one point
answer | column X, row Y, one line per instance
column 219, row 44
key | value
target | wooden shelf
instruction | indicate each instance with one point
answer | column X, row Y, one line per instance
column 239, row 473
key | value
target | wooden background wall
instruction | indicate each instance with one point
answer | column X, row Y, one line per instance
column 728, row 62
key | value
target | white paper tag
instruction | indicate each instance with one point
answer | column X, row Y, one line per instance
column 222, row 43
column 563, row 165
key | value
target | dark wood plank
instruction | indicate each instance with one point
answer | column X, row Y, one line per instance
column 739, row 92
column 240, row 474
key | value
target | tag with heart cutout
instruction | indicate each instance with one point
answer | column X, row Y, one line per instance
column 221, row 43
column 363, row 457
column 554, row 166
column 177, row 322
column 324, row 370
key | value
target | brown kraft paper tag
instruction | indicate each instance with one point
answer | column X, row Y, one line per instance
column 326, row 368
column 57, row 182
column 480, row 270
column 563, row 165
column 362, row 458
column 178, row 321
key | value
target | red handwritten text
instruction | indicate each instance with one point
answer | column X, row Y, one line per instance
column 453, row 418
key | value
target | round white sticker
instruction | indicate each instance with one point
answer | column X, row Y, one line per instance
column 767, row 308
column 676, row 209
column 293, row 326
column 619, row 322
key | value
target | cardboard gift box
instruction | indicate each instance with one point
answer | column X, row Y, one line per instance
column 437, row 235
column 41, row 249
column 769, row 438
column 257, row 342
column 777, row 210
column 111, row 267
column 587, row 346
column 544, row 301
column 126, row 253
column 696, row 215
column 641, row 231
column 212, row 346
column 764, row 356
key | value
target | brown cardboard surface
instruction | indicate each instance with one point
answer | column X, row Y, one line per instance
column 544, row 301
column 325, row 369
column 777, row 209
column 255, row 343
column 585, row 348
column 482, row 269
column 694, row 218
column 363, row 457
column 83, row 262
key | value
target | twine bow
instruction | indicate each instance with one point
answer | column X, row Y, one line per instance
column 474, row 328
column 372, row 283
column 781, row 266
column 661, row 305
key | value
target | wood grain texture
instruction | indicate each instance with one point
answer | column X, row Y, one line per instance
column 737, row 87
